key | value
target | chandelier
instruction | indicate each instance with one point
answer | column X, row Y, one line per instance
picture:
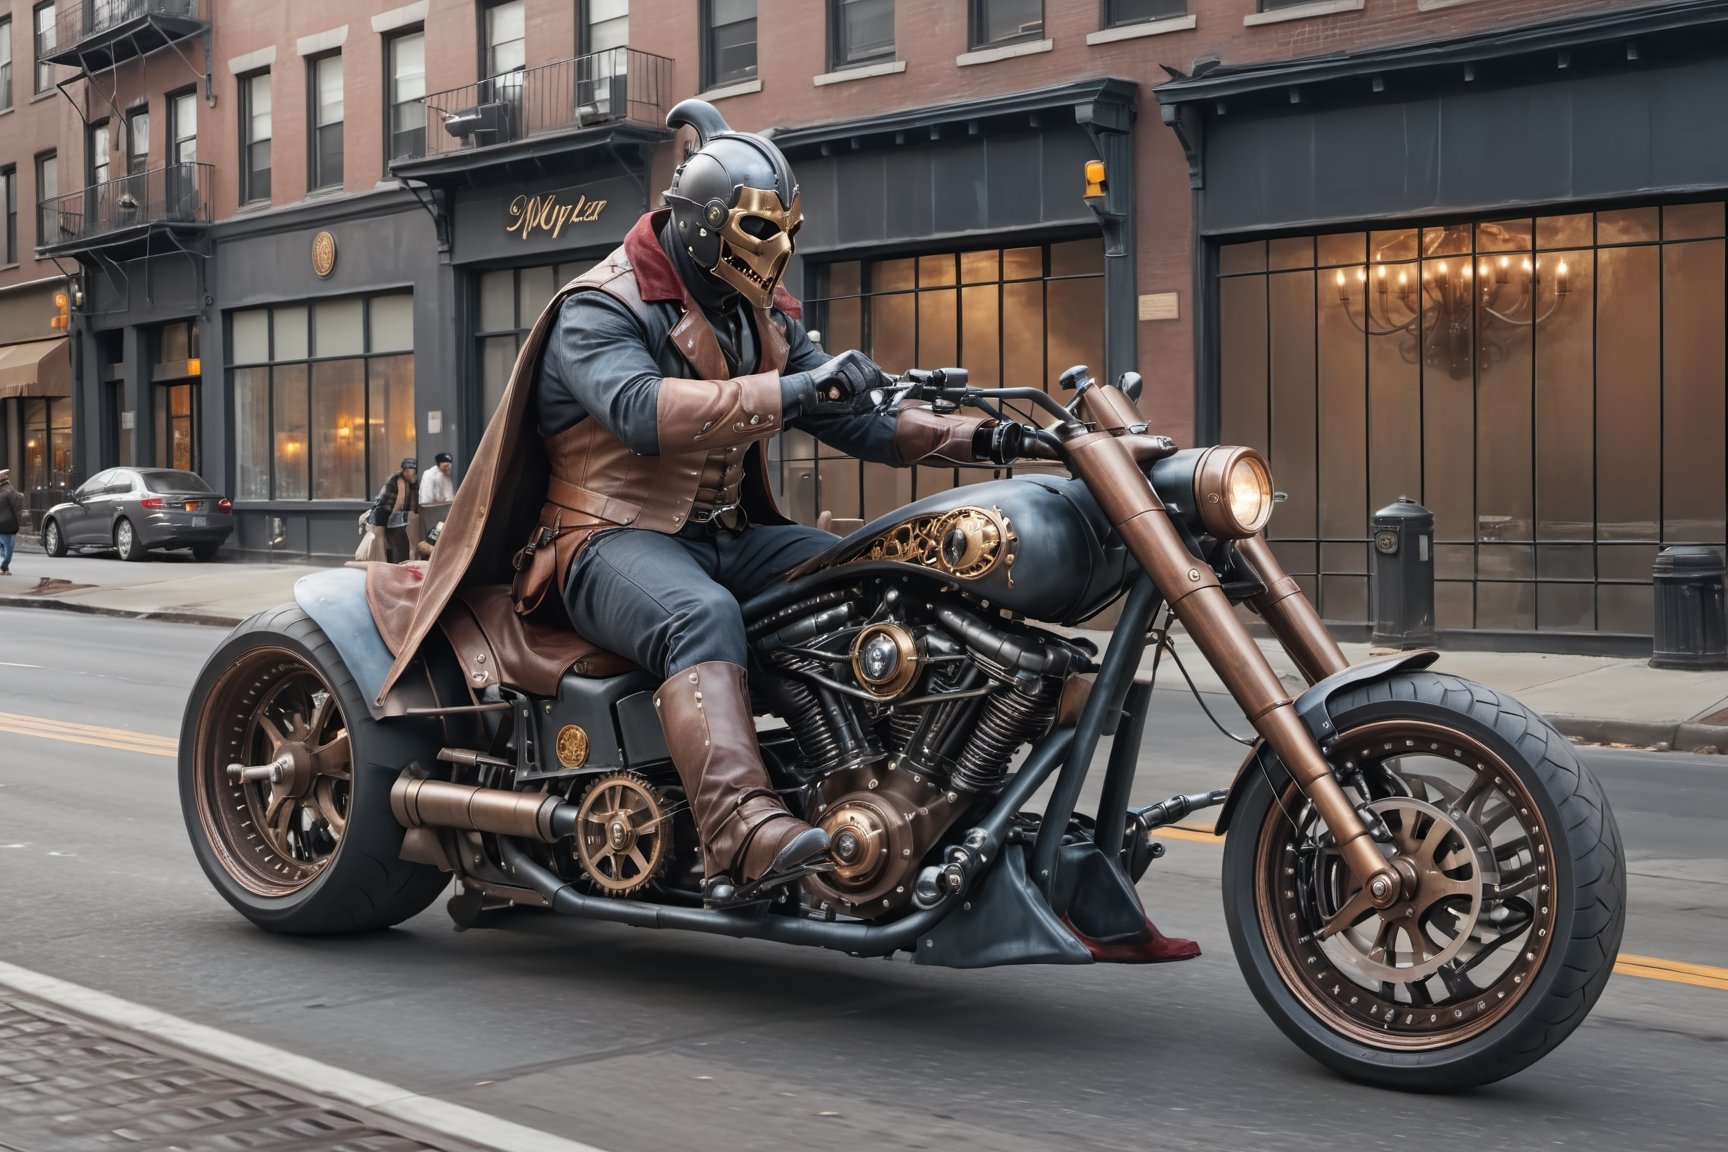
column 1438, row 310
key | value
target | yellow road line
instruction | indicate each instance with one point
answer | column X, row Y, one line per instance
column 115, row 738
column 1644, row 967
column 1673, row 971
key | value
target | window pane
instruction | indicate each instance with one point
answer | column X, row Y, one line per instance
column 258, row 107
column 498, row 301
column 329, row 91
column 1074, row 311
column 1134, row 11
column 391, row 429
column 497, row 358
column 339, row 328
column 252, row 433
column 290, row 334
column 408, row 67
column 339, row 430
column 1008, row 19
column 251, row 340
column 1693, row 369
column 866, row 30
column 1628, row 360
column 289, row 431
column 1082, row 258
column 536, row 289
column 1023, row 335
column 392, row 324
column 1565, row 397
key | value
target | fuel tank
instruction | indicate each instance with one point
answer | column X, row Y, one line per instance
column 1036, row 545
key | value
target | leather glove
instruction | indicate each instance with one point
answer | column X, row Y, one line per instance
column 841, row 385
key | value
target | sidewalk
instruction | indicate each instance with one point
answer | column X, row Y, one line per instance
column 1593, row 698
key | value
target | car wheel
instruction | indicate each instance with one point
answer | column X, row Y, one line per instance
column 126, row 541
column 52, row 542
column 204, row 553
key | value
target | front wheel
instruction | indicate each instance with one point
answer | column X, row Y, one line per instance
column 307, row 844
column 1505, row 940
column 53, row 542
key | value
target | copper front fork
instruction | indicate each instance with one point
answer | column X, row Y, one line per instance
column 1291, row 615
column 1193, row 592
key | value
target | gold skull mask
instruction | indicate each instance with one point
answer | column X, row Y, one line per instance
column 756, row 243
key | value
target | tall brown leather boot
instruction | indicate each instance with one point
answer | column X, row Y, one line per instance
column 747, row 834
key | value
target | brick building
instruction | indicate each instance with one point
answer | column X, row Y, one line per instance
column 336, row 265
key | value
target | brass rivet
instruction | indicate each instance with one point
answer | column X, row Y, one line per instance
column 1194, row 574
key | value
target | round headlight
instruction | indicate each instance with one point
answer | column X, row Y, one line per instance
column 1233, row 488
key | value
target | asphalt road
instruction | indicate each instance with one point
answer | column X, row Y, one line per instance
column 635, row 1041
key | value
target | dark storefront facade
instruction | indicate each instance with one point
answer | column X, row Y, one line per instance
column 334, row 353
column 958, row 236
column 1488, row 275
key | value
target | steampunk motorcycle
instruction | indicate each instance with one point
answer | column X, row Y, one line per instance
column 1424, row 887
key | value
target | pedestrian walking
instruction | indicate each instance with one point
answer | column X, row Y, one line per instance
column 438, row 486
column 395, row 502
column 11, row 519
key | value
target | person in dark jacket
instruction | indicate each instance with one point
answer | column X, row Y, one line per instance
column 391, row 508
column 11, row 519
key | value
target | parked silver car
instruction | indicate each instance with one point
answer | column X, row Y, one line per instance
column 133, row 510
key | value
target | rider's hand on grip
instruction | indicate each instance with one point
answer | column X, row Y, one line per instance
column 843, row 384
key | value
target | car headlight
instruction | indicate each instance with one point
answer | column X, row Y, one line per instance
column 1233, row 492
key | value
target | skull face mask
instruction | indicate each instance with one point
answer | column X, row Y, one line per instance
column 756, row 243
column 735, row 205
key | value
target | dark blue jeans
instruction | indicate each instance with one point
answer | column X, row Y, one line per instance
column 8, row 540
column 671, row 602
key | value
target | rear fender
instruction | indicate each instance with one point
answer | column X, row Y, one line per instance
column 1314, row 708
column 336, row 600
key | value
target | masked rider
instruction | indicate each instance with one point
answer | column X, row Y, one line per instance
column 666, row 371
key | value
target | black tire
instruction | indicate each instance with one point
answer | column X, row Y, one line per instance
column 363, row 885
column 126, row 543
column 1588, row 899
column 53, row 540
column 204, row 553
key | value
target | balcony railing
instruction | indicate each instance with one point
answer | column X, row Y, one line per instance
column 617, row 85
column 178, row 194
column 101, row 22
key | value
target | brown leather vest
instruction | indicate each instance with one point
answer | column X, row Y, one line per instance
column 707, row 425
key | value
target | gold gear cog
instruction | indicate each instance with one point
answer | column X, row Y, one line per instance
column 623, row 834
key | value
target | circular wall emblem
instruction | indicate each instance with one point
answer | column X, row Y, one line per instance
column 323, row 254
column 572, row 746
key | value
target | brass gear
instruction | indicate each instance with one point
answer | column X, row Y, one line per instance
column 623, row 834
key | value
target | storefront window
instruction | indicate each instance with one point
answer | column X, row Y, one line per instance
column 47, row 472
column 320, row 413
column 509, row 301
column 1552, row 388
column 1010, row 316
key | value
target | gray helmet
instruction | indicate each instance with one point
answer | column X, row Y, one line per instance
column 735, row 205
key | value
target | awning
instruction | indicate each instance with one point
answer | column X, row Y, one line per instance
column 39, row 368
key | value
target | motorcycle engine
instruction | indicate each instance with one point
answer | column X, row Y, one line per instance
column 905, row 714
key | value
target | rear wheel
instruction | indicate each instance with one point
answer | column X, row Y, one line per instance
column 306, row 842
column 53, row 542
column 1506, row 936
column 126, row 541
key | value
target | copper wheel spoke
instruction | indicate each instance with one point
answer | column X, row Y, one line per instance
column 325, row 792
column 333, row 758
column 638, row 859
column 1384, row 937
column 272, row 732
column 1354, row 911
column 279, row 821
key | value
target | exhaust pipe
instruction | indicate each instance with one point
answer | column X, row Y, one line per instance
column 418, row 803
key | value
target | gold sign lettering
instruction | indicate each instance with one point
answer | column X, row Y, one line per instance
column 546, row 214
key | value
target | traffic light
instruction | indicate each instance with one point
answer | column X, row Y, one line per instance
column 62, row 312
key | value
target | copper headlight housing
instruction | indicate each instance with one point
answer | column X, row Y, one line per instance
column 1225, row 492
column 1233, row 492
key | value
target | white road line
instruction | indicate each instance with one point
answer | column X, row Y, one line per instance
column 9, row 664
column 312, row 1075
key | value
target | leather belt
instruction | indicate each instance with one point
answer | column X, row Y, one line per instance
column 579, row 499
column 729, row 516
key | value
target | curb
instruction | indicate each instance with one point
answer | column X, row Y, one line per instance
column 1682, row 736
column 168, row 617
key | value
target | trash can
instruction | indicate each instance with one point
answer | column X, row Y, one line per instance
column 1403, row 575
column 1691, row 628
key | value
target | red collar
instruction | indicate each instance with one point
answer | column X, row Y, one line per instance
column 656, row 279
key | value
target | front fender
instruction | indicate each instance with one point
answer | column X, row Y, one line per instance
column 1313, row 707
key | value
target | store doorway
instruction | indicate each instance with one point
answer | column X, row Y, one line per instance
column 177, row 439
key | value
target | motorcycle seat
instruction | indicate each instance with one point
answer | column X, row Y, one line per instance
column 496, row 645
